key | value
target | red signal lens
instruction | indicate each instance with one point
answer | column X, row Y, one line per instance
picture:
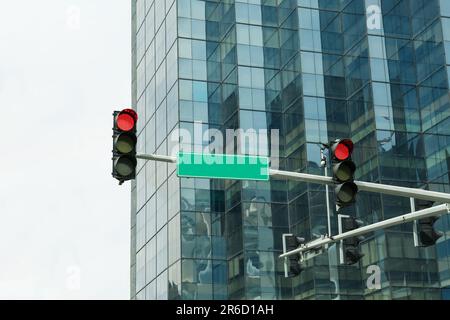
column 342, row 152
column 343, row 149
column 126, row 120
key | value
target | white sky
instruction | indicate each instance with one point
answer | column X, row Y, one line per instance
column 64, row 221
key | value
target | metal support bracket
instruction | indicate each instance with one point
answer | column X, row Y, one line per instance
column 430, row 212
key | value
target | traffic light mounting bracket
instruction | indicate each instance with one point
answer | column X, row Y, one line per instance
column 304, row 256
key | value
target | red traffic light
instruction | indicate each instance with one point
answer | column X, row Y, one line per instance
column 124, row 145
column 126, row 120
column 343, row 149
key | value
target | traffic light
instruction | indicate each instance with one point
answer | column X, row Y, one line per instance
column 343, row 172
column 427, row 235
column 124, row 145
column 292, row 243
column 351, row 251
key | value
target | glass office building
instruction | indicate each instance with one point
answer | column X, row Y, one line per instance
column 376, row 71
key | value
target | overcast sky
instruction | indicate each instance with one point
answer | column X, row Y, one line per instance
column 64, row 222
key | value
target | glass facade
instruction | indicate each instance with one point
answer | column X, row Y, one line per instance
column 376, row 71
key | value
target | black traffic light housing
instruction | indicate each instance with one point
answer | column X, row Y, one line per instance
column 426, row 233
column 292, row 243
column 351, row 246
column 124, row 145
column 343, row 172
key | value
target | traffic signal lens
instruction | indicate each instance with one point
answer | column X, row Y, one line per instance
column 344, row 171
column 342, row 149
column 342, row 152
column 125, row 166
column 346, row 192
column 125, row 143
column 125, row 122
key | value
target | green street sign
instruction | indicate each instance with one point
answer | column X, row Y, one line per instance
column 222, row 166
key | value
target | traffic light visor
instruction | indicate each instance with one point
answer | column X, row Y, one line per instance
column 126, row 120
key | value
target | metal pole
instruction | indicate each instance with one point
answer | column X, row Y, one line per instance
column 156, row 157
column 415, row 229
column 286, row 262
column 327, row 190
column 367, row 186
column 429, row 212
column 341, row 245
column 404, row 192
column 305, row 177
column 363, row 186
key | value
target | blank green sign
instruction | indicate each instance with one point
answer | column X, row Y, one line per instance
column 222, row 166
